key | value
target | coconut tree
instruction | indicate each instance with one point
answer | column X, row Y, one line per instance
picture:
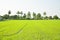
column 44, row 15
column 9, row 12
column 18, row 14
column 28, row 15
column 21, row 14
column 38, row 16
column 24, row 16
column 34, row 15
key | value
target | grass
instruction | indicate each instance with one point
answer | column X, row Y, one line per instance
column 30, row 30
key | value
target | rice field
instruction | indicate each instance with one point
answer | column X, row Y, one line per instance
column 30, row 30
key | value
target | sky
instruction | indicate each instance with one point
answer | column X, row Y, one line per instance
column 51, row 7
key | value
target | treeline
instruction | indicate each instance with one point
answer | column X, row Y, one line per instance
column 23, row 16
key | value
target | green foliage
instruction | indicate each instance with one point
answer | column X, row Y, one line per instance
column 34, row 15
column 6, row 16
column 28, row 15
column 38, row 16
column 21, row 13
column 50, row 17
column 18, row 14
column 55, row 17
column 23, row 16
column 14, row 17
column 44, row 13
column 9, row 12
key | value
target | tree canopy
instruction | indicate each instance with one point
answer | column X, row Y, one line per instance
column 27, row 16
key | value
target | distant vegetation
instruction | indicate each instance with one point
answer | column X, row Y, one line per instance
column 24, row 16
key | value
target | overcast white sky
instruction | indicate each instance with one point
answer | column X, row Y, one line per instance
column 52, row 7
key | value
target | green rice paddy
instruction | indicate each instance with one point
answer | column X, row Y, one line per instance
column 30, row 30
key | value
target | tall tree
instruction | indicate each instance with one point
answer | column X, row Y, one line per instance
column 21, row 14
column 50, row 17
column 28, row 15
column 6, row 16
column 44, row 15
column 15, row 17
column 34, row 15
column 24, row 16
column 9, row 12
column 38, row 16
column 55, row 17
column 18, row 14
